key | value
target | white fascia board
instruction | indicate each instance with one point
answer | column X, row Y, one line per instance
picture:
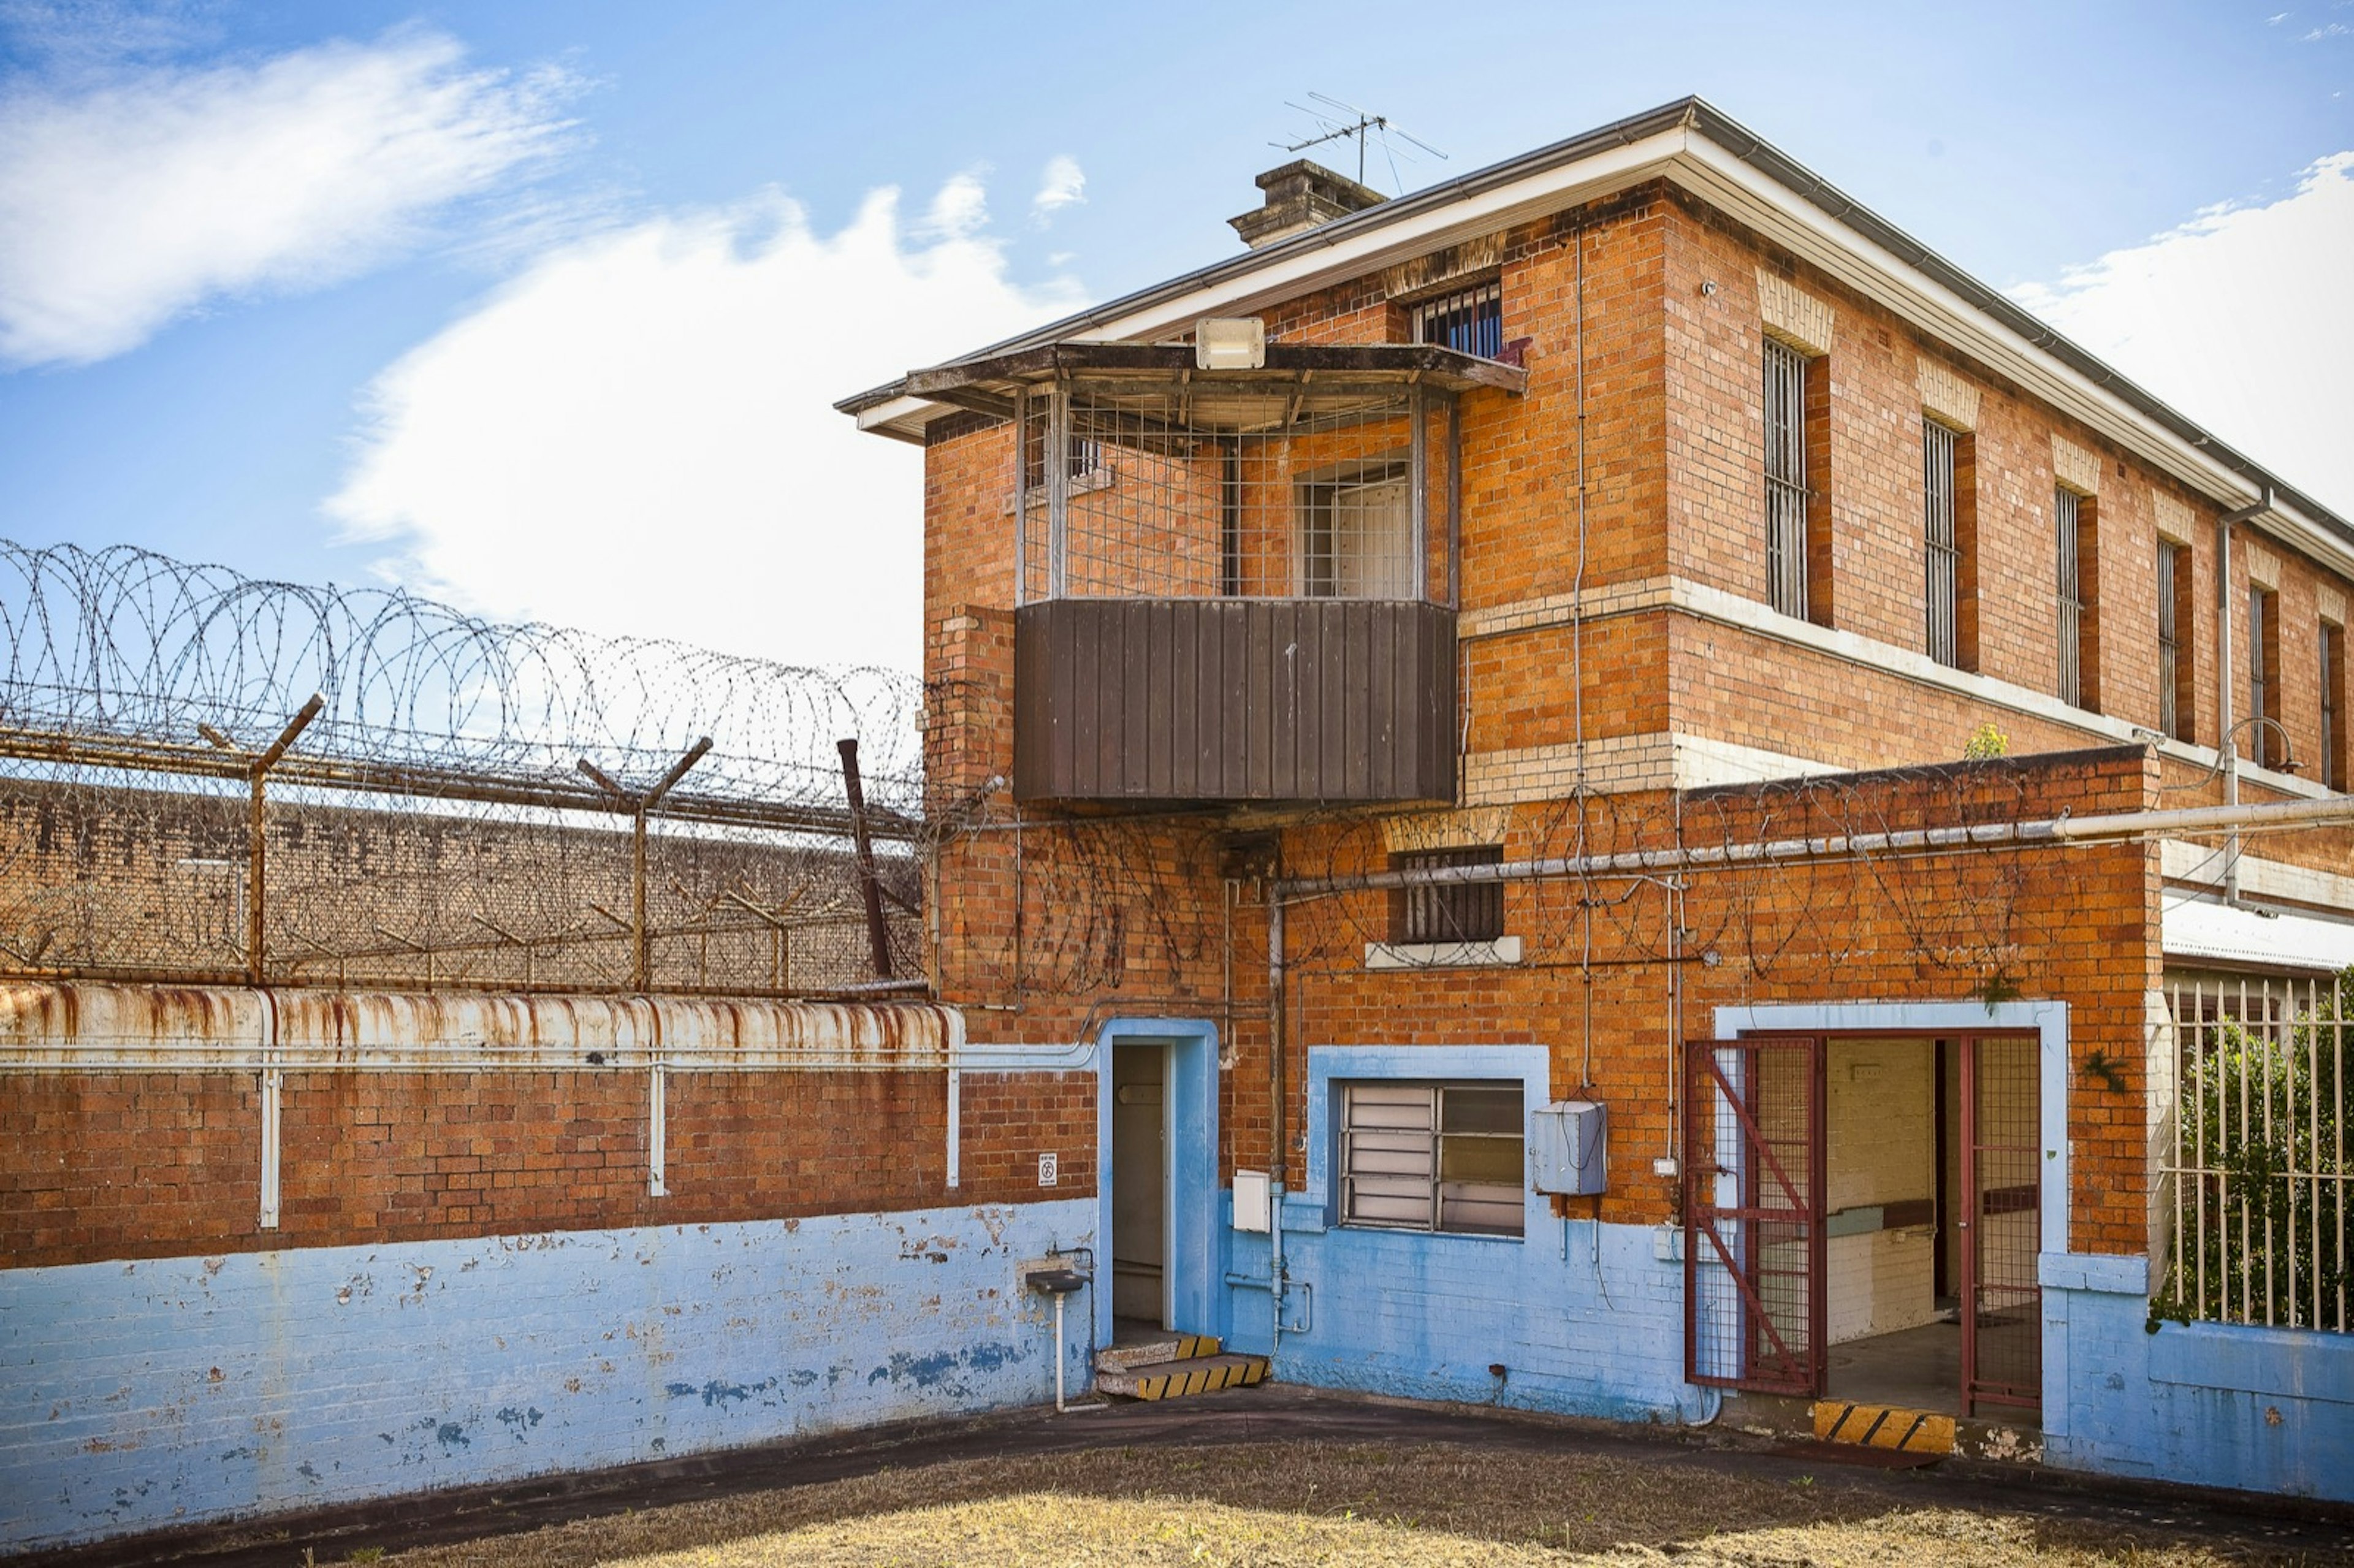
column 1353, row 255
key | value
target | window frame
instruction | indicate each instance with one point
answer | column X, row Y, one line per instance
column 1946, row 580
column 1788, row 500
column 2332, row 772
column 2075, row 519
column 1448, row 914
column 1391, row 1140
column 1478, row 307
column 2265, row 675
column 2177, row 703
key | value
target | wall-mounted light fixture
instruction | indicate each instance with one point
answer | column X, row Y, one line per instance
column 1230, row 342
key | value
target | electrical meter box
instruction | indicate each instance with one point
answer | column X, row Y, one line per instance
column 1569, row 1147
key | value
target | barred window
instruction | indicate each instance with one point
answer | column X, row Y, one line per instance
column 1433, row 1157
column 2069, row 593
column 2175, row 706
column 1786, row 478
column 2333, row 706
column 1470, row 321
column 2263, row 676
column 1944, row 556
column 1460, row 912
column 1080, row 457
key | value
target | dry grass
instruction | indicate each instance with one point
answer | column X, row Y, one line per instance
column 1303, row 1503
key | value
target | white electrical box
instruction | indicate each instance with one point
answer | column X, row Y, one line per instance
column 1252, row 1210
column 1569, row 1147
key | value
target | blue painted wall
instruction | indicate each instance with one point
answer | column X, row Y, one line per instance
column 1585, row 1318
column 2217, row 1405
column 138, row 1395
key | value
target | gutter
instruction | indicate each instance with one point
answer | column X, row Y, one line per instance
column 1696, row 117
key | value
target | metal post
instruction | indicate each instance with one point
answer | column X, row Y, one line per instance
column 1022, row 418
column 878, row 934
column 256, row 836
column 1058, row 487
column 640, row 807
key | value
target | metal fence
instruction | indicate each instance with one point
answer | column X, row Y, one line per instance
column 1315, row 490
column 2257, row 1182
column 206, row 779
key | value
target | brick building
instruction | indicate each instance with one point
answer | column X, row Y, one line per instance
column 1633, row 789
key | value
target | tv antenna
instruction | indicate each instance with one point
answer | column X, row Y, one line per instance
column 1336, row 120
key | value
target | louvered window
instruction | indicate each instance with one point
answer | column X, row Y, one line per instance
column 2070, row 595
column 1432, row 1157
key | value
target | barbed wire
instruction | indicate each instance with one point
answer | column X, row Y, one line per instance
column 124, row 644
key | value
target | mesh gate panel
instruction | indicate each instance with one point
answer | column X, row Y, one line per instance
column 1753, row 1214
column 2002, row 1329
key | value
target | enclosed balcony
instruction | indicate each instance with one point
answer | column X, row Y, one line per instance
column 1234, row 584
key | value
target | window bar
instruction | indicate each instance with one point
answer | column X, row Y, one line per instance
column 1453, row 502
column 1058, row 487
column 1786, row 478
column 1021, row 498
column 2169, row 646
column 1418, row 579
column 1944, row 555
column 2070, row 598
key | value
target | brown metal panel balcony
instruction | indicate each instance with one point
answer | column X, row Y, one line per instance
column 1221, row 699
column 1234, row 583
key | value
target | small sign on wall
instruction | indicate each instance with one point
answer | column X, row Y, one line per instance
column 1050, row 1170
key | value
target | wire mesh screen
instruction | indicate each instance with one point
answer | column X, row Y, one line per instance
column 461, row 803
column 2258, row 1177
column 2003, row 1321
column 1753, row 1214
column 1235, row 490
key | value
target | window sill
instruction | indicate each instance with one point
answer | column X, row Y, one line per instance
column 1502, row 953
column 1095, row 479
column 1484, row 1238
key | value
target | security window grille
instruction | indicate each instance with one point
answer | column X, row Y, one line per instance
column 2173, row 652
column 1462, row 912
column 1081, row 457
column 1432, row 1157
column 2263, row 676
column 1786, row 478
column 2070, row 595
column 2333, row 706
column 1470, row 321
column 1943, row 551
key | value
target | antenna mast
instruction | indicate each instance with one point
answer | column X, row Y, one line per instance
column 1360, row 127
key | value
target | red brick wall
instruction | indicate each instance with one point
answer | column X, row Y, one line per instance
column 159, row 1164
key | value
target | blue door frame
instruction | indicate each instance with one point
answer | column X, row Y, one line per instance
column 1195, row 1260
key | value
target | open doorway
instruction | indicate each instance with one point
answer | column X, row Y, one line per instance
column 1930, row 1222
column 1863, row 1218
column 1140, row 1188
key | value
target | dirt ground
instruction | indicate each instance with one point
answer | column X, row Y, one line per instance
column 1415, row 1505
column 1275, row 1476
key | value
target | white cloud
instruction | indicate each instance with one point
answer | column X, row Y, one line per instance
column 1064, row 184
column 2242, row 320
column 136, row 197
column 636, row 434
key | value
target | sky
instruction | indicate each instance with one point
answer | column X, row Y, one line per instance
column 541, row 306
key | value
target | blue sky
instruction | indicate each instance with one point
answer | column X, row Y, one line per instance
column 539, row 306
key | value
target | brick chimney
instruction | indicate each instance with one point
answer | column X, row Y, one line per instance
column 1300, row 195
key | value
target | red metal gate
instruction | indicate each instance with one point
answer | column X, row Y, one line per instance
column 1753, row 1173
column 2002, row 1300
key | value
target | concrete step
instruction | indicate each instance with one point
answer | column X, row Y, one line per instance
column 1883, row 1427
column 1159, row 1348
column 1188, row 1375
